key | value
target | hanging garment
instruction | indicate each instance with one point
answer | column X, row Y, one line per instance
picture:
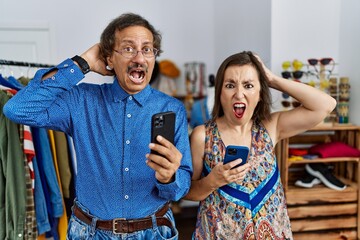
column 15, row 82
column 48, row 178
column 12, row 178
column 199, row 113
column 42, row 216
column 63, row 161
column 28, row 147
column 8, row 84
column 63, row 221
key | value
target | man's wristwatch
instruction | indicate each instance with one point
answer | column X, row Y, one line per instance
column 84, row 66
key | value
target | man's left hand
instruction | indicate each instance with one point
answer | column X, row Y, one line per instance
column 165, row 160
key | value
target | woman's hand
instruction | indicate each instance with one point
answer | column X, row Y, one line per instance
column 269, row 74
column 223, row 174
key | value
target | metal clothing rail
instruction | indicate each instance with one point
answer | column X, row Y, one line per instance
column 24, row 64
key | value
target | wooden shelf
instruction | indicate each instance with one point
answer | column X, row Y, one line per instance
column 334, row 127
column 320, row 212
column 322, row 194
column 326, row 235
column 324, row 160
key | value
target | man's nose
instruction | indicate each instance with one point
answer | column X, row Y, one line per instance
column 139, row 57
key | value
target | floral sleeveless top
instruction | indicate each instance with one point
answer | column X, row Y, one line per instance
column 254, row 208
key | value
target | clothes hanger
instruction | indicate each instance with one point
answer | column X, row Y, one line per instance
column 4, row 82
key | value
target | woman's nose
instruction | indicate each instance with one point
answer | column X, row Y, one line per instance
column 239, row 93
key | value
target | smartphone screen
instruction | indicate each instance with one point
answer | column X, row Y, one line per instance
column 163, row 124
column 235, row 152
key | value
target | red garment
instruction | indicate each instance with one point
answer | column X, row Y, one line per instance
column 30, row 153
column 298, row 151
column 334, row 149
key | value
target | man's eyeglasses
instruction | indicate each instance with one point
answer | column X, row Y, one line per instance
column 130, row 52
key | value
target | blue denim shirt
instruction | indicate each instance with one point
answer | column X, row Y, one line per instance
column 111, row 132
column 42, row 216
column 48, row 180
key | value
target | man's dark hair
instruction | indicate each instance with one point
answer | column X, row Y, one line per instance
column 107, row 39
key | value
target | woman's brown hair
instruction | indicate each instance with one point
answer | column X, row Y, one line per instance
column 263, row 108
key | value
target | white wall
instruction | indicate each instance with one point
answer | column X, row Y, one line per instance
column 187, row 26
column 302, row 30
column 350, row 51
column 202, row 30
column 316, row 29
column 242, row 26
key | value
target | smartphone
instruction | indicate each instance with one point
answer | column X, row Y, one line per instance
column 163, row 124
column 234, row 152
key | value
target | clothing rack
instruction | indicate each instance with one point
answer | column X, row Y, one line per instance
column 24, row 64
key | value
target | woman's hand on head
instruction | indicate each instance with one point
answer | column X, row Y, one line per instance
column 269, row 74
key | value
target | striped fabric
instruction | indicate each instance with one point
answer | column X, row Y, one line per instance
column 29, row 152
column 30, row 230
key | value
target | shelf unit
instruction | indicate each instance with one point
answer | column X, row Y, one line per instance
column 320, row 212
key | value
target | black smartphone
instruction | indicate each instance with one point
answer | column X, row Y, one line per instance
column 234, row 152
column 163, row 124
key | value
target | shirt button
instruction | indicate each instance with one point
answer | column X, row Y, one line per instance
column 20, row 235
column 130, row 98
column 126, row 169
column 72, row 70
column 126, row 197
column 129, row 115
column 127, row 141
column 53, row 77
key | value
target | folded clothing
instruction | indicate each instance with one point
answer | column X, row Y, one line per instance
column 297, row 151
column 334, row 149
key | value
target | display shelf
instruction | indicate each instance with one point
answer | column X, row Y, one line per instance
column 321, row 194
column 320, row 212
column 324, row 160
column 327, row 235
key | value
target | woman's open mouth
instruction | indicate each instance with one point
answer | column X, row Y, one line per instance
column 239, row 109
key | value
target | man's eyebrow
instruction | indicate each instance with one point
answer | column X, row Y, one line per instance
column 128, row 41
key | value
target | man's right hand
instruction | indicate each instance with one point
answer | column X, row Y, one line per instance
column 94, row 59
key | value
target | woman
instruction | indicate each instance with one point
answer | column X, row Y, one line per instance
column 248, row 202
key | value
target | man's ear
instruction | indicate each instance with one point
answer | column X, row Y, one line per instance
column 109, row 65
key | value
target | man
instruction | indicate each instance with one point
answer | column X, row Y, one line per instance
column 122, row 190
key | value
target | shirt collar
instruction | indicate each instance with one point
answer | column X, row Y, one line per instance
column 119, row 94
